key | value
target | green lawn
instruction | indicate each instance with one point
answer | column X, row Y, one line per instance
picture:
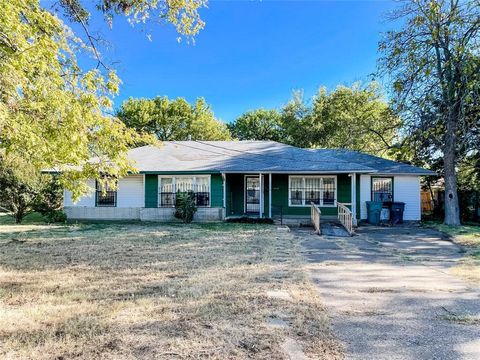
column 33, row 218
column 156, row 291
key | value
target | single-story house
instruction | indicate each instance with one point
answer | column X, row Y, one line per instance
column 250, row 178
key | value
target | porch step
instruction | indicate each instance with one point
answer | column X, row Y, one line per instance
column 330, row 228
column 299, row 220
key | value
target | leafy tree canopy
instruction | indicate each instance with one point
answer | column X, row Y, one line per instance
column 258, row 124
column 23, row 188
column 53, row 114
column 355, row 117
column 173, row 119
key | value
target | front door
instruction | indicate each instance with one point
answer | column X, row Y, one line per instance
column 252, row 194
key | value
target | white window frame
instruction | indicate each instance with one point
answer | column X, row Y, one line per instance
column 174, row 181
column 303, row 177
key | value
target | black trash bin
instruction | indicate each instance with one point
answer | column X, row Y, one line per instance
column 396, row 212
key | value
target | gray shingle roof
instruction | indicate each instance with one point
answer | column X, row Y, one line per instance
column 249, row 156
column 381, row 165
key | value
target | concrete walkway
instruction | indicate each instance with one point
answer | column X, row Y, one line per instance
column 390, row 296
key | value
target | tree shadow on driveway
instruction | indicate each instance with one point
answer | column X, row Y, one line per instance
column 390, row 295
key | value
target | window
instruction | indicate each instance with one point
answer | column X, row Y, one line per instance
column 320, row 190
column 169, row 185
column 105, row 196
column 382, row 189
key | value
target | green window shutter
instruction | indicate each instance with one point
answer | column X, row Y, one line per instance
column 151, row 191
column 216, row 190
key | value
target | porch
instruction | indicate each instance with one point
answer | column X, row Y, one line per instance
column 287, row 198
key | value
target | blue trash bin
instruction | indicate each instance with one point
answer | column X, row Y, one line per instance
column 374, row 209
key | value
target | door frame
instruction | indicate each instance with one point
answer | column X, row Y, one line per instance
column 245, row 193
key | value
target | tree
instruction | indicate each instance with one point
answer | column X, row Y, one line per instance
column 19, row 186
column 23, row 189
column 173, row 119
column 433, row 61
column 53, row 114
column 356, row 118
column 258, row 124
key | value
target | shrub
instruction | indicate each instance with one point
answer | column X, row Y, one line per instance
column 49, row 196
column 185, row 207
column 250, row 220
column 55, row 216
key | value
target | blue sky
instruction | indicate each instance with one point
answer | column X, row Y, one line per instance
column 251, row 54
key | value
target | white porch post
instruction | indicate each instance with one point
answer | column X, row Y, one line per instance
column 260, row 212
column 354, row 198
column 224, row 178
column 270, row 195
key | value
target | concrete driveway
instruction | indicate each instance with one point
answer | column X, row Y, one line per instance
column 390, row 296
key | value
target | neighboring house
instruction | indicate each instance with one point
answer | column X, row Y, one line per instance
column 253, row 178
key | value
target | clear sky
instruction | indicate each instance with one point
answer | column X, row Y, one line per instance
column 251, row 54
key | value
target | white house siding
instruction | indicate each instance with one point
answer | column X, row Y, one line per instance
column 406, row 188
column 365, row 194
column 130, row 199
column 130, row 205
column 130, row 193
column 87, row 200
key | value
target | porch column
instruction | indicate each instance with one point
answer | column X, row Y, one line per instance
column 224, row 178
column 260, row 212
column 270, row 195
column 353, row 201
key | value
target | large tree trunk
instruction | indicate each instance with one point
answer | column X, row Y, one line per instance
column 452, row 211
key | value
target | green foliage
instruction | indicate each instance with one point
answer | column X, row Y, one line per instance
column 435, row 70
column 50, row 195
column 258, row 124
column 469, row 173
column 23, row 190
column 53, row 114
column 355, row 117
column 19, row 186
column 173, row 119
column 185, row 207
column 56, row 216
column 183, row 14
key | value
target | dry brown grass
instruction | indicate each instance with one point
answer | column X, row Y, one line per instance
column 116, row 291
column 468, row 269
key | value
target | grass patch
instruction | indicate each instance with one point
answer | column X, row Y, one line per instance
column 463, row 319
column 163, row 291
column 469, row 237
column 29, row 219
